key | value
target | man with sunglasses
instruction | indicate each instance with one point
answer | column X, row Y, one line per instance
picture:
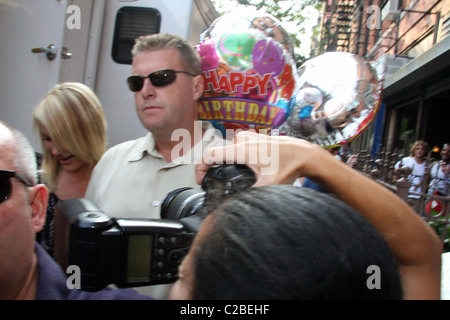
column 26, row 270
column 132, row 179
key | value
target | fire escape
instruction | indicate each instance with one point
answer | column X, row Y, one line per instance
column 339, row 22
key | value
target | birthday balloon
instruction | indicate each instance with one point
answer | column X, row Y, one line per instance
column 249, row 72
column 338, row 96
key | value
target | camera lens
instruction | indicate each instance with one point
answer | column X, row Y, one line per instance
column 181, row 203
column 94, row 220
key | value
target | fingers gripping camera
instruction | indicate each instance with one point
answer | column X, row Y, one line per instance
column 218, row 183
column 142, row 252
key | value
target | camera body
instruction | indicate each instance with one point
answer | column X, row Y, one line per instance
column 126, row 252
column 142, row 252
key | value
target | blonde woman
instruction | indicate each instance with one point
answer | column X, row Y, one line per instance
column 72, row 127
column 415, row 164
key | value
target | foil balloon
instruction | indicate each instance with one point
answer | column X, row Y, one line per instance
column 249, row 72
column 338, row 96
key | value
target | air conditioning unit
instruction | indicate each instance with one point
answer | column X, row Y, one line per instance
column 390, row 10
column 388, row 64
column 445, row 29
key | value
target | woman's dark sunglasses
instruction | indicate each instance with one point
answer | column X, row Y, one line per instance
column 158, row 78
column 5, row 183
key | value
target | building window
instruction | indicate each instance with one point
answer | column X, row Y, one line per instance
column 407, row 122
column 132, row 22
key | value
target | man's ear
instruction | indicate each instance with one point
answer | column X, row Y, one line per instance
column 38, row 201
column 199, row 87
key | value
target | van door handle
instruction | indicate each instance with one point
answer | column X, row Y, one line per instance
column 50, row 51
column 65, row 54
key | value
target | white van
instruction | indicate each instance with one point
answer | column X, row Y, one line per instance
column 44, row 42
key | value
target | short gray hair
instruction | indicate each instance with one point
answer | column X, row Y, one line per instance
column 190, row 58
column 23, row 155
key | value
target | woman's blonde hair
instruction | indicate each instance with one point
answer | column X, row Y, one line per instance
column 417, row 144
column 75, row 121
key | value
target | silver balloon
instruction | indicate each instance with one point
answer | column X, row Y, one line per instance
column 337, row 97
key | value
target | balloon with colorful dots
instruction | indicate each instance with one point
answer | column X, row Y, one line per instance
column 249, row 72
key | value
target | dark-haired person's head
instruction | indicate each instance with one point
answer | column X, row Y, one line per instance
column 284, row 242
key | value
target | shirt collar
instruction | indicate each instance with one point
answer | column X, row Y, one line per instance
column 145, row 145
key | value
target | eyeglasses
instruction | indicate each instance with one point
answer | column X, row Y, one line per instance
column 5, row 183
column 158, row 78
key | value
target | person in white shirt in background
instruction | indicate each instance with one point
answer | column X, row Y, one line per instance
column 440, row 174
column 414, row 166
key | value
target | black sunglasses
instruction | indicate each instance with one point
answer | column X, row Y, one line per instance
column 158, row 78
column 5, row 183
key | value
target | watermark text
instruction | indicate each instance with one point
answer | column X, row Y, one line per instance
column 259, row 150
column 74, row 19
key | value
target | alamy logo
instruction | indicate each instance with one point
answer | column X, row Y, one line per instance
column 374, row 280
column 374, row 17
column 74, row 279
column 74, row 20
column 261, row 151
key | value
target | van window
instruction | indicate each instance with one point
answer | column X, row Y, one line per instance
column 132, row 22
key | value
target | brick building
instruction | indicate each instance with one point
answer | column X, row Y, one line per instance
column 408, row 42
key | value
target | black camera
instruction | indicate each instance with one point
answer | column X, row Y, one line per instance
column 125, row 252
column 142, row 252
column 218, row 183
